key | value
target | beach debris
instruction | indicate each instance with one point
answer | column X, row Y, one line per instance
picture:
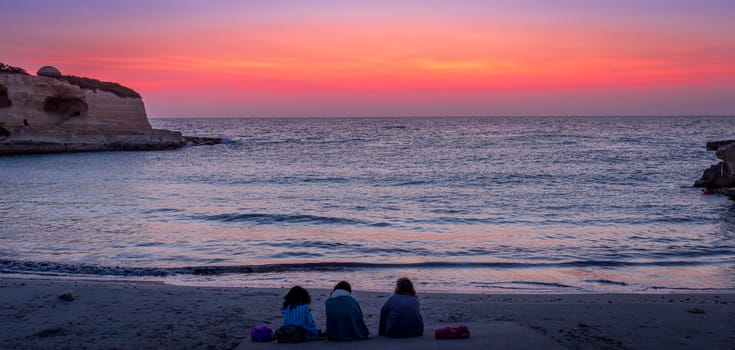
column 695, row 311
column 68, row 296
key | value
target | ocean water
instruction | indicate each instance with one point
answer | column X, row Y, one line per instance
column 506, row 205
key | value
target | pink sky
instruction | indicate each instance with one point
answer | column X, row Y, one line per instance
column 389, row 58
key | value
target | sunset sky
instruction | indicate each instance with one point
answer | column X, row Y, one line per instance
column 278, row 58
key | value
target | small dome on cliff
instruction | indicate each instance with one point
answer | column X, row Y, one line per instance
column 49, row 71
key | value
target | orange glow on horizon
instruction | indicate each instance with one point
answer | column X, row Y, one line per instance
column 293, row 55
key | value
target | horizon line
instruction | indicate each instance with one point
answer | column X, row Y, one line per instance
column 458, row 116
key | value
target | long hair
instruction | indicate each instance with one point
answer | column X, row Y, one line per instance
column 343, row 285
column 405, row 287
column 295, row 297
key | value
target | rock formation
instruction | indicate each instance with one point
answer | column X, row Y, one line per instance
column 56, row 113
column 48, row 71
column 721, row 176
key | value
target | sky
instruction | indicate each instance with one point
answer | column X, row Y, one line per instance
column 381, row 58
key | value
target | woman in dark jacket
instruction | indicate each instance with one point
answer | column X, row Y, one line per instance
column 400, row 316
column 344, row 316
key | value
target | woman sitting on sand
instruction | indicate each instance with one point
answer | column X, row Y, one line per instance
column 344, row 316
column 400, row 316
column 296, row 311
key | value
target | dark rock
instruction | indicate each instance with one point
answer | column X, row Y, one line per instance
column 716, row 176
column 202, row 141
column 726, row 152
column 714, row 145
column 722, row 174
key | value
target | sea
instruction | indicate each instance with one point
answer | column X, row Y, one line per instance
column 481, row 205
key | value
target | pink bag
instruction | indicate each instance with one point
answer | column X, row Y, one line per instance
column 452, row 332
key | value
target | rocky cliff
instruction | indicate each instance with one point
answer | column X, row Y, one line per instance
column 720, row 176
column 56, row 113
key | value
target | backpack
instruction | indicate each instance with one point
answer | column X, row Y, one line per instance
column 290, row 333
column 452, row 332
column 261, row 334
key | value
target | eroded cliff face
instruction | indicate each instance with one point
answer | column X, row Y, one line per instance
column 44, row 114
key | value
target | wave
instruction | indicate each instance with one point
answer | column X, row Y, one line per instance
column 411, row 183
column 271, row 219
column 450, row 217
column 44, row 267
column 303, row 141
column 607, row 282
column 503, row 284
column 347, row 140
column 701, row 289
column 325, row 179
column 161, row 210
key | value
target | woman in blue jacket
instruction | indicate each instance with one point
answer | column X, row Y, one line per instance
column 400, row 316
column 296, row 311
column 344, row 316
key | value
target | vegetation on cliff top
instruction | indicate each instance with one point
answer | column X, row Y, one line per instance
column 84, row 83
column 8, row 69
column 94, row 84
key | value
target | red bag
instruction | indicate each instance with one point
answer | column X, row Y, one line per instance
column 452, row 332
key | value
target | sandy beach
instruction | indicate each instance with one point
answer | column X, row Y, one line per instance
column 138, row 315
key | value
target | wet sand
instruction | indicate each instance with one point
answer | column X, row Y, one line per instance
column 138, row 315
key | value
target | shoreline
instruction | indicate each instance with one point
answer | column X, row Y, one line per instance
column 212, row 281
column 645, row 279
column 139, row 314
